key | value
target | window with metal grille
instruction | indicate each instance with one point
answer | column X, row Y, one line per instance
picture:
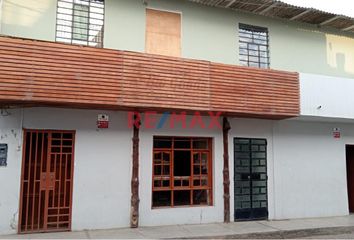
column 80, row 22
column 182, row 172
column 254, row 46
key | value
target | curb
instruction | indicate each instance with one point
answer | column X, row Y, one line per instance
column 286, row 234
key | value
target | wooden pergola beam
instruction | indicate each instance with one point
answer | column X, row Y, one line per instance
column 230, row 3
column 226, row 171
column 329, row 20
column 260, row 7
column 348, row 28
column 269, row 8
column 301, row 14
column 134, row 212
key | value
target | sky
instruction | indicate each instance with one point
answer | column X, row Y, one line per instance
column 344, row 7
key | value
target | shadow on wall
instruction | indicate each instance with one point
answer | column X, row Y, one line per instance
column 340, row 62
column 308, row 49
column 340, row 53
column 337, row 54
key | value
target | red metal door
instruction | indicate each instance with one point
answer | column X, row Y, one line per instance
column 46, row 181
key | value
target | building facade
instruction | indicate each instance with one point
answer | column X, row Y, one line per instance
column 161, row 112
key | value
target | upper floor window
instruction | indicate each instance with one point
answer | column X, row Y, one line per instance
column 80, row 22
column 254, row 48
column 163, row 33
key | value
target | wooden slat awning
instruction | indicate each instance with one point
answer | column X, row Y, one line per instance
column 39, row 73
column 282, row 10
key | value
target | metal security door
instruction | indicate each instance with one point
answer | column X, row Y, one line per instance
column 250, row 179
column 46, row 182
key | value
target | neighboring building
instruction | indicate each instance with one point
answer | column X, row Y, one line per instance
column 74, row 156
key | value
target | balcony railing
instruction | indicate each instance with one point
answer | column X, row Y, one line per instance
column 38, row 73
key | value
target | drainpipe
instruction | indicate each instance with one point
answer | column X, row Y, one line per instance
column 226, row 174
column 134, row 212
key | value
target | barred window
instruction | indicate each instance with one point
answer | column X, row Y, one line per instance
column 80, row 22
column 182, row 172
column 254, row 46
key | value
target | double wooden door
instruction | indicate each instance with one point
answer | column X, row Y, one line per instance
column 46, row 181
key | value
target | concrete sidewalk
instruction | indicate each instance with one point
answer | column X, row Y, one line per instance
column 297, row 228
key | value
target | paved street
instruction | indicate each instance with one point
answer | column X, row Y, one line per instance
column 329, row 228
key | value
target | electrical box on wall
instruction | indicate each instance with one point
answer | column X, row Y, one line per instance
column 3, row 155
column 336, row 133
column 102, row 121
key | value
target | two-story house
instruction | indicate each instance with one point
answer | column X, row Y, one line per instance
column 118, row 113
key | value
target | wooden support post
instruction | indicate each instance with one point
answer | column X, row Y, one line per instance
column 226, row 174
column 134, row 212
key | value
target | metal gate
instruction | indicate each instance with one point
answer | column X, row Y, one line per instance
column 46, row 181
column 250, row 179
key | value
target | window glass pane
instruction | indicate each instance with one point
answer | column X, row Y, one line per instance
column 253, row 53
column 196, row 170
column 253, row 46
column 166, row 158
column 161, row 198
column 204, row 157
column 157, row 170
column 181, row 198
column 182, row 163
column 196, row 181
column 80, row 22
column 200, row 197
column 253, row 59
column 182, row 143
column 157, row 158
column 204, row 181
column 196, row 158
column 162, row 142
column 200, row 144
column 166, row 170
column 178, row 158
column 243, row 45
column 204, row 169
column 253, row 64
column 244, row 57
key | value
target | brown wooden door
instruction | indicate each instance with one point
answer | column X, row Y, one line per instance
column 46, row 181
column 350, row 176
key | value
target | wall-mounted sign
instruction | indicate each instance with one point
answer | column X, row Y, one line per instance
column 336, row 133
column 102, row 121
column 3, row 155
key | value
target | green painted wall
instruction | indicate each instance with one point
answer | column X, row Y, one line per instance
column 29, row 18
column 207, row 33
column 125, row 25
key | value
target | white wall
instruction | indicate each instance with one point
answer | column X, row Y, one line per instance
column 101, row 194
column 325, row 96
column 10, row 134
column 180, row 215
column 306, row 168
column 310, row 169
column 252, row 128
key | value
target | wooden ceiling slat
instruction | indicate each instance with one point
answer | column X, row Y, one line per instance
column 283, row 11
